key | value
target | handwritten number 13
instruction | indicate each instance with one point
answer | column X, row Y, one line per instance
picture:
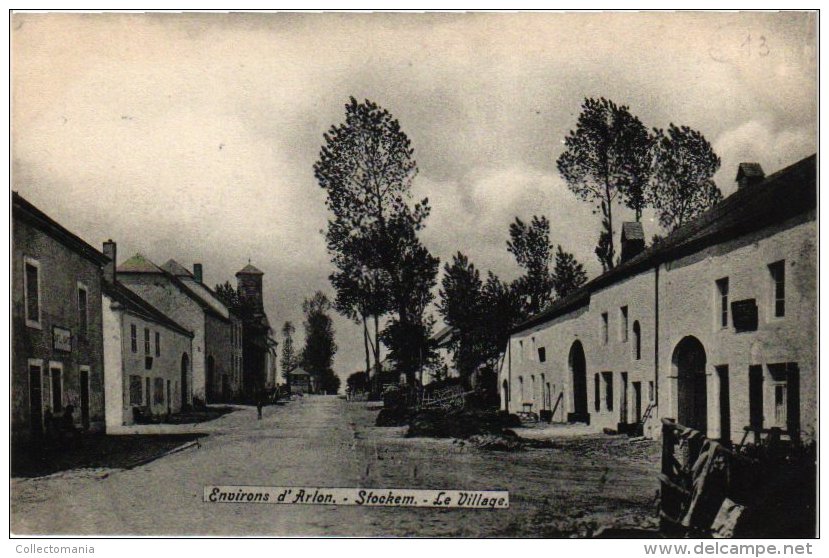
column 762, row 46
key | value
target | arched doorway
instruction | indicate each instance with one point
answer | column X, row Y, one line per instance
column 505, row 394
column 691, row 390
column 578, row 374
column 185, row 370
column 211, row 379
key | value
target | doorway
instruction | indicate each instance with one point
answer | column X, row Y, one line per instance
column 578, row 372
column 637, row 402
column 36, row 401
column 84, row 378
column 692, row 393
column 185, row 367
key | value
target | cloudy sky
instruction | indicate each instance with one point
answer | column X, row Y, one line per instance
column 194, row 136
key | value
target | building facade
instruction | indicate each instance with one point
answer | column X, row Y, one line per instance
column 57, row 341
column 177, row 299
column 714, row 326
column 146, row 355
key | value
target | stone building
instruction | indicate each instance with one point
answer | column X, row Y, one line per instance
column 57, row 343
column 146, row 354
column 259, row 347
column 223, row 369
column 211, row 326
column 714, row 326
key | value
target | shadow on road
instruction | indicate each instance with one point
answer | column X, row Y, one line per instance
column 96, row 451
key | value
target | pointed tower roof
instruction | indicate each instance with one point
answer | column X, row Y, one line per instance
column 174, row 268
column 138, row 264
column 249, row 269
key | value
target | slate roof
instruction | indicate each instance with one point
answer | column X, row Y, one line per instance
column 249, row 269
column 633, row 231
column 175, row 268
column 785, row 194
column 138, row 264
column 25, row 211
column 141, row 264
column 443, row 336
column 134, row 303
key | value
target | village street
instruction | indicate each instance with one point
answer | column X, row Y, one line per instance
column 328, row 442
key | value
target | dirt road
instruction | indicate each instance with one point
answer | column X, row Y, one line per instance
column 325, row 441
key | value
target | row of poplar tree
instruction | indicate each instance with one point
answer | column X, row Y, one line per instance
column 384, row 274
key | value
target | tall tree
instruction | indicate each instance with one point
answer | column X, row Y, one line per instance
column 413, row 277
column 227, row 294
column 568, row 275
column 366, row 166
column 461, row 305
column 530, row 244
column 320, row 348
column 682, row 184
column 288, row 358
column 605, row 157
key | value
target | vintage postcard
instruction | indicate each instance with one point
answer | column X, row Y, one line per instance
column 464, row 275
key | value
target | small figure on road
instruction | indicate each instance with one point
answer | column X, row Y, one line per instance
column 259, row 404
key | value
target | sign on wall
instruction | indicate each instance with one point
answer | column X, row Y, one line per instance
column 61, row 339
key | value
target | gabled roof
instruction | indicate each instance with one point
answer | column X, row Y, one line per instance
column 138, row 264
column 785, row 194
column 137, row 305
column 22, row 209
column 249, row 269
column 175, row 268
column 299, row 372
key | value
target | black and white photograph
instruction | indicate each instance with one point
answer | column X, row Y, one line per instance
column 467, row 274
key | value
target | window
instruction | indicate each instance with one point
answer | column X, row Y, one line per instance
column 607, row 377
column 637, row 341
column 785, row 385
column 542, row 354
column 722, row 294
column 623, row 323
column 521, row 350
column 157, row 343
column 650, row 391
column 133, row 338
column 136, row 396
column 778, row 278
column 597, row 397
column 31, row 291
column 604, row 327
column 146, row 341
column 521, row 388
column 83, row 313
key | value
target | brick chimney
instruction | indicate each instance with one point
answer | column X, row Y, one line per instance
column 197, row 272
column 633, row 240
column 749, row 174
column 111, row 252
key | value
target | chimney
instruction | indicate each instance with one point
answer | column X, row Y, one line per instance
column 633, row 240
column 197, row 272
column 110, row 251
column 749, row 174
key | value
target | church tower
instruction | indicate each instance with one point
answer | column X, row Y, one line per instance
column 249, row 285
